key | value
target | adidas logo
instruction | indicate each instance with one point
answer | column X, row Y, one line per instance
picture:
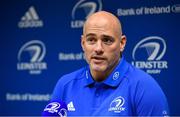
column 30, row 19
column 71, row 106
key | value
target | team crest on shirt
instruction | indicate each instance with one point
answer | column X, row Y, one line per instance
column 117, row 105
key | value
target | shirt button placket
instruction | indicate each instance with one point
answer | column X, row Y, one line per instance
column 98, row 95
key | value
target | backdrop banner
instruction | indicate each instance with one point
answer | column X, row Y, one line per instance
column 40, row 42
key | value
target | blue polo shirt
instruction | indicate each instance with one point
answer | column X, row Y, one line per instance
column 127, row 91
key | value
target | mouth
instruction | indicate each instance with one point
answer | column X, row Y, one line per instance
column 98, row 59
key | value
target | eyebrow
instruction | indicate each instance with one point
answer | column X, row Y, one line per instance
column 90, row 34
column 107, row 36
column 103, row 36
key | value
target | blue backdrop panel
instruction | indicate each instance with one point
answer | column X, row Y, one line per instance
column 40, row 41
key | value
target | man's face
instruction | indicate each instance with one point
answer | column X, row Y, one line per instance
column 101, row 45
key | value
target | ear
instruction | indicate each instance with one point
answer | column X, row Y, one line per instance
column 82, row 42
column 122, row 43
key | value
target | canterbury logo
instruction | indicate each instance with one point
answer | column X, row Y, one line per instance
column 30, row 19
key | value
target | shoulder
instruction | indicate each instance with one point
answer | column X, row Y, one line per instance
column 139, row 76
column 144, row 85
column 66, row 79
column 148, row 96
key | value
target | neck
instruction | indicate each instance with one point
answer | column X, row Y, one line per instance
column 102, row 75
column 99, row 76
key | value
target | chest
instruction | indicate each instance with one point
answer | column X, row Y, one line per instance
column 99, row 100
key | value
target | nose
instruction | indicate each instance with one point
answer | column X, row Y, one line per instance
column 99, row 48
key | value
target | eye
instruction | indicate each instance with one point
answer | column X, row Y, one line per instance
column 108, row 40
column 91, row 40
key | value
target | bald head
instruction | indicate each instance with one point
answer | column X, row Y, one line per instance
column 106, row 19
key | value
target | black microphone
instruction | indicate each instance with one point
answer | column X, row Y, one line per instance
column 55, row 109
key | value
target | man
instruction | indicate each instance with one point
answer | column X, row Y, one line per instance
column 109, row 86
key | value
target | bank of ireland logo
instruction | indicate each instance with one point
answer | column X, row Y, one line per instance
column 117, row 105
column 148, row 54
column 30, row 57
column 176, row 8
column 82, row 10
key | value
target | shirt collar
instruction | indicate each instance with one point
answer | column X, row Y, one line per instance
column 88, row 78
column 114, row 78
column 118, row 74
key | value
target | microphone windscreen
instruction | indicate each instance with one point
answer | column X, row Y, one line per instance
column 55, row 108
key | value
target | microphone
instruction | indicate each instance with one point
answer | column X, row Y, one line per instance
column 55, row 108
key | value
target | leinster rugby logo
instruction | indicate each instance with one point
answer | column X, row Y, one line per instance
column 148, row 54
column 117, row 105
column 30, row 57
column 82, row 10
column 152, row 46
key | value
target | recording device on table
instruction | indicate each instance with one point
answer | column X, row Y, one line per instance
column 55, row 108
